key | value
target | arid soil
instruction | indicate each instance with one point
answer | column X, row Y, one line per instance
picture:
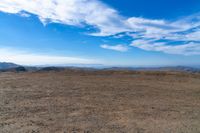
column 99, row 102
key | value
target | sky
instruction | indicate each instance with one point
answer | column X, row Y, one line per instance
column 100, row 32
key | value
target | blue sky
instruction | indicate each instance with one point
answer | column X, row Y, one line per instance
column 107, row 32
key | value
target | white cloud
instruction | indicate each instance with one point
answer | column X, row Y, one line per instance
column 109, row 22
column 184, row 49
column 70, row 12
column 120, row 48
column 27, row 58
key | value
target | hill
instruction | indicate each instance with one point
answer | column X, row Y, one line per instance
column 7, row 65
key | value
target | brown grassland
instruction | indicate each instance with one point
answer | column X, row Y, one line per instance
column 99, row 102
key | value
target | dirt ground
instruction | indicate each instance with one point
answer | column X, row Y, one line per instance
column 63, row 102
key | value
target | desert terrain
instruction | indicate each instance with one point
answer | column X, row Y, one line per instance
column 99, row 102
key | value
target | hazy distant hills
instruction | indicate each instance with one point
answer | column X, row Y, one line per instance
column 11, row 67
column 173, row 68
column 7, row 65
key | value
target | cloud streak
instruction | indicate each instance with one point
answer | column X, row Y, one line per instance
column 27, row 58
column 184, row 49
column 147, row 34
column 119, row 47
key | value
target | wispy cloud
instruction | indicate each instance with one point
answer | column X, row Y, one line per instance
column 29, row 58
column 119, row 47
column 183, row 49
column 109, row 22
column 70, row 12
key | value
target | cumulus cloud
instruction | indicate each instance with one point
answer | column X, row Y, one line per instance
column 119, row 47
column 28, row 58
column 109, row 22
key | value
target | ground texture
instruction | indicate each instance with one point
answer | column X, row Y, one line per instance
column 99, row 102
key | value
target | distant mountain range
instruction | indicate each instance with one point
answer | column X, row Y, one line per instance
column 7, row 67
column 173, row 68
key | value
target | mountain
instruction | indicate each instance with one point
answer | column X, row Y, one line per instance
column 7, row 65
column 11, row 67
column 173, row 68
column 16, row 69
column 47, row 69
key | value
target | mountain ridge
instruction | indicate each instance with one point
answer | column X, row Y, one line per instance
column 9, row 66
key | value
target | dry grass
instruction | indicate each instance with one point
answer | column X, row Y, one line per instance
column 94, row 102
